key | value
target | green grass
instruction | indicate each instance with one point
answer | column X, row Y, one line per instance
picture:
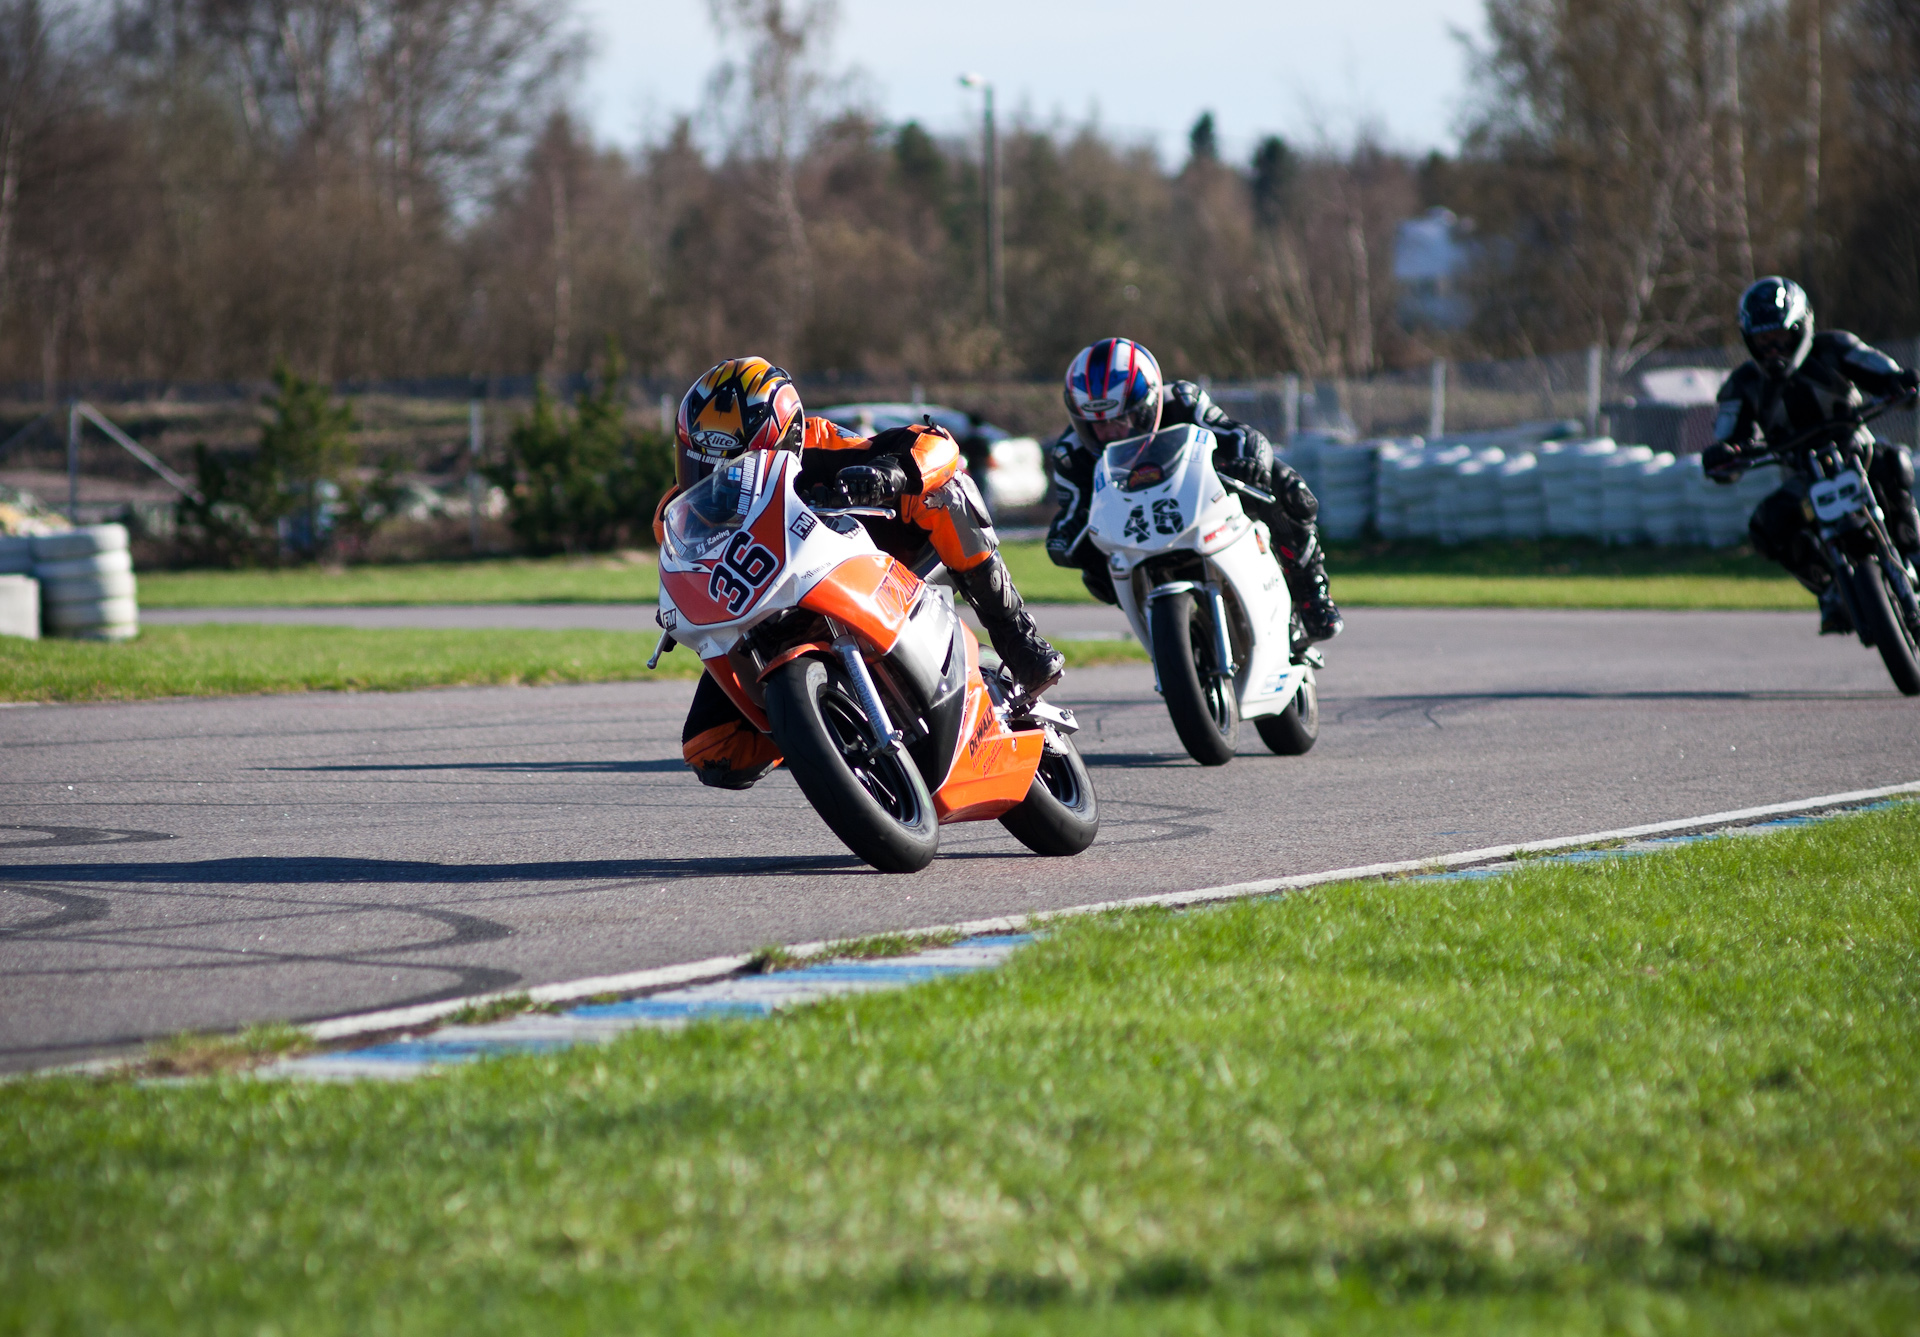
column 1673, row 1094
column 500, row 580
column 1555, row 574
column 224, row 660
column 229, row 660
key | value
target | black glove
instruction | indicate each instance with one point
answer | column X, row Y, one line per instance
column 1245, row 468
column 877, row 484
column 1907, row 383
column 1722, row 462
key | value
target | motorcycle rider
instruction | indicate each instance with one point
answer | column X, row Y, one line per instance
column 1795, row 381
column 1114, row 391
column 749, row 404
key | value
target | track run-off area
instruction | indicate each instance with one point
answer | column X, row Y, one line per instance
column 205, row 864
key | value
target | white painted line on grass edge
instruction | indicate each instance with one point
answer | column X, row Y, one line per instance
column 692, row 972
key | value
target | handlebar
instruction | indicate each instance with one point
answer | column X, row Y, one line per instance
column 875, row 512
column 1248, row 488
column 1868, row 412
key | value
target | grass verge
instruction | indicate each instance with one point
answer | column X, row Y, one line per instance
column 611, row 579
column 1551, row 574
column 224, row 660
column 231, row 660
column 1674, row 1094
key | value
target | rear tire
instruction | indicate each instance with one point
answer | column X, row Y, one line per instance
column 1202, row 702
column 1886, row 628
column 880, row 808
column 1294, row 730
column 1059, row 815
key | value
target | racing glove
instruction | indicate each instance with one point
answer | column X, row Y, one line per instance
column 1722, row 462
column 877, row 484
column 1906, row 384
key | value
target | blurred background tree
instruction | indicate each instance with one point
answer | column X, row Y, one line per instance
column 583, row 481
column 391, row 188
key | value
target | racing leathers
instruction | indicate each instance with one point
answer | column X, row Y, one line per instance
column 1756, row 410
column 1242, row 452
column 916, row 471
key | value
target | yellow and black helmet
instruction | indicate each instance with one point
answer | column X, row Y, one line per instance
column 744, row 403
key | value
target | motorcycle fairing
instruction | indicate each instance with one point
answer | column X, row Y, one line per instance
column 1158, row 495
column 871, row 592
column 993, row 766
column 771, row 557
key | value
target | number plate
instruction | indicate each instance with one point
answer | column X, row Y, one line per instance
column 1835, row 497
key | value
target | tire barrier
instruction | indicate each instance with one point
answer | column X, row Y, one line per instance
column 1461, row 492
column 87, row 588
column 19, row 606
column 16, row 555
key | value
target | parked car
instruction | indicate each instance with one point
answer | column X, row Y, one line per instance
column 1016, row 473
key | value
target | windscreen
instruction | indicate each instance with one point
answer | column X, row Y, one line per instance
column 701, row 519
column 1144, row 461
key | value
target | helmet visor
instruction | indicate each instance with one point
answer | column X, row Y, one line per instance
column 1113, row 429
column 1776, row 343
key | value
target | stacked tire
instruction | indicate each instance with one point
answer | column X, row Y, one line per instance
column 86, row 583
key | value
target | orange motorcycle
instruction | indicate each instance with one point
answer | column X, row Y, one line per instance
column 864, row 674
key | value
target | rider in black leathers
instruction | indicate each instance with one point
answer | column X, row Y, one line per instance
column 1796, row 381
column 1126, row 387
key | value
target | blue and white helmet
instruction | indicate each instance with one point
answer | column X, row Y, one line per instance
column 1113, row 392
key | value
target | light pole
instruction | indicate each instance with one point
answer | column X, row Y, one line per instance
column 996, row 274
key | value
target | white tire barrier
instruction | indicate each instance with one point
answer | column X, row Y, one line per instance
column 1455, row 493
column 72, row 544
column 16, row 555
column 19, row 606
column 1523, row 506
column 87, row 587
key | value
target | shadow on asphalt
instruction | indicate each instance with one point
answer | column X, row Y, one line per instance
column 659, row 764
column 284, row 871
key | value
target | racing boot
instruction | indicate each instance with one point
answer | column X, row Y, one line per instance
column 1034, row 663
column 1307, row 584
column 1834, row 618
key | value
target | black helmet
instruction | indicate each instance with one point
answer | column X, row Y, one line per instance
column 1776, row 320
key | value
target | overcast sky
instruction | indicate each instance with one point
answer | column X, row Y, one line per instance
column 1145, row 70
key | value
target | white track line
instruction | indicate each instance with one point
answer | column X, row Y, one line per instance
column 403, row 1018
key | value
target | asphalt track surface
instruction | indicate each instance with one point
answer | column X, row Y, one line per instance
column 210, row 863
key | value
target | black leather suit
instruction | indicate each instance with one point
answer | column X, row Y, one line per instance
column 1242, row 451
column 1754, row 406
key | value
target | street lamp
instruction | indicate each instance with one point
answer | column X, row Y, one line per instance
column 996, row 274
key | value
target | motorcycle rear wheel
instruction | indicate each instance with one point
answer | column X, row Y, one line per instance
column 1059, row 815
column 1294, row 730
column 878, row 806
column 1886, row 628
column 1201, row 699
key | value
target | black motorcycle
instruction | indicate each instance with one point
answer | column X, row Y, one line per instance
column 1874, row 581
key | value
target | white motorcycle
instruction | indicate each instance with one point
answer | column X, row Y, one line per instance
column 1201, row 585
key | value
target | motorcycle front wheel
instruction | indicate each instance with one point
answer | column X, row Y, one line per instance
column 1200, row 698
column 1059, row 815
column 1885, row 627
column 1294, row 730
column 878, row 805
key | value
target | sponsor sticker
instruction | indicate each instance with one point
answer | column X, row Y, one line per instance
column 803, row 525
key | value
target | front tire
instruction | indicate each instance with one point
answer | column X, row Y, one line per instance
column 878, row 806
column 1294, row 730
column 1201, row 699
column 1059, row 815
column 1886, row 628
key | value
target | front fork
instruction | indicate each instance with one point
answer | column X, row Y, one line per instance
column 1216, row 609
column 885, row 736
